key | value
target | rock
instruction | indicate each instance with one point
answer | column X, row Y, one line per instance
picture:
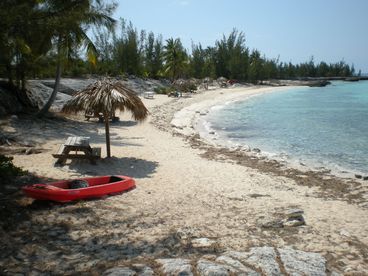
column 208, row 268
column 359, row 176
column 302, row 263
column 344, row 233
column 365, row 177
column 256, row 150
column 173, row 267
column 237, row 265
column 13, row 117
column 294, row 222
column 294, row 213
column 204, row 244
column 245, row 148
column 39, row 93
column 119, row 271
column 212, row 132
column 264, row 258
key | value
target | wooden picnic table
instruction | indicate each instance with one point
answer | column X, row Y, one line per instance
column 80, row 148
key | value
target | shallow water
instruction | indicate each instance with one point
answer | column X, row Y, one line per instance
column 319, row 126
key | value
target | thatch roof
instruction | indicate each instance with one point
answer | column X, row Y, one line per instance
column 106, row 96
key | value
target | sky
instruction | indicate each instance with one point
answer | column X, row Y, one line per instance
column 293, row 30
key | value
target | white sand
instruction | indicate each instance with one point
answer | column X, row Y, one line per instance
column 179, row 190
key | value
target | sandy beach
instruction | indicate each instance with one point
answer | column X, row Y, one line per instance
column 186, row 186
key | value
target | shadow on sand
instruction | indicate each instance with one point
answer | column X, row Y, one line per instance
column 133, row 167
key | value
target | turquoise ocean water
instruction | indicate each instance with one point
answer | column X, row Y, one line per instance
column 317, row 126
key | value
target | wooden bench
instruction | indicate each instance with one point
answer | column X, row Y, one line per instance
column 60, row 151
column 80, row 148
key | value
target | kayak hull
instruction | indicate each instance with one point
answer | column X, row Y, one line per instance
column 98, row 187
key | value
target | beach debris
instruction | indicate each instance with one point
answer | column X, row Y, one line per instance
column 344, row 233
column 255, row 195
column 294, row 218
column 176, row 266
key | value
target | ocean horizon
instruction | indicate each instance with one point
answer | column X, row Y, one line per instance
column 315, row 127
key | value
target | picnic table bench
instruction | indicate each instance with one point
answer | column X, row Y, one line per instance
column 88, row 115
column 80, row 148
column 148, row 94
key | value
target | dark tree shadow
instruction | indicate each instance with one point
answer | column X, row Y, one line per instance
column 133, row 167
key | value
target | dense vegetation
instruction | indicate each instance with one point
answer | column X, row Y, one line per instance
column 48, row 38
column 7, row 170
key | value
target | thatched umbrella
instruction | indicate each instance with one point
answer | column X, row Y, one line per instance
column 106, row 96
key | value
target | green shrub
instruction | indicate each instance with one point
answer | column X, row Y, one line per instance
column 7, row 170
column 163, row 90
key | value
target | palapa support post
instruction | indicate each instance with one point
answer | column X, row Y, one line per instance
column 107, row 132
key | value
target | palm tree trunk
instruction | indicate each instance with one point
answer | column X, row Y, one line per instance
column 107, row 132
column 50, row 101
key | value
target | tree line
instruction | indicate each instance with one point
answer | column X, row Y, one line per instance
column 50, row 38
column 140, row 53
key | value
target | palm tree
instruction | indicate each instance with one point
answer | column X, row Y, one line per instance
column 106, row 96
column 70, row 21
column 175, row 58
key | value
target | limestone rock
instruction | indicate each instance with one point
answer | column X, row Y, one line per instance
column 264, row 258
column 294, row 222
column 302, row 263
column 208, row 268
column 119, row 271
column 237, row 265
column 173, row 267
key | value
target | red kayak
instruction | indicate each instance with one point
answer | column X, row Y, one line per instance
column 94, row 187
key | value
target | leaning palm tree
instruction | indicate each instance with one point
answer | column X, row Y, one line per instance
column 70, row 21
column 106, row 96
